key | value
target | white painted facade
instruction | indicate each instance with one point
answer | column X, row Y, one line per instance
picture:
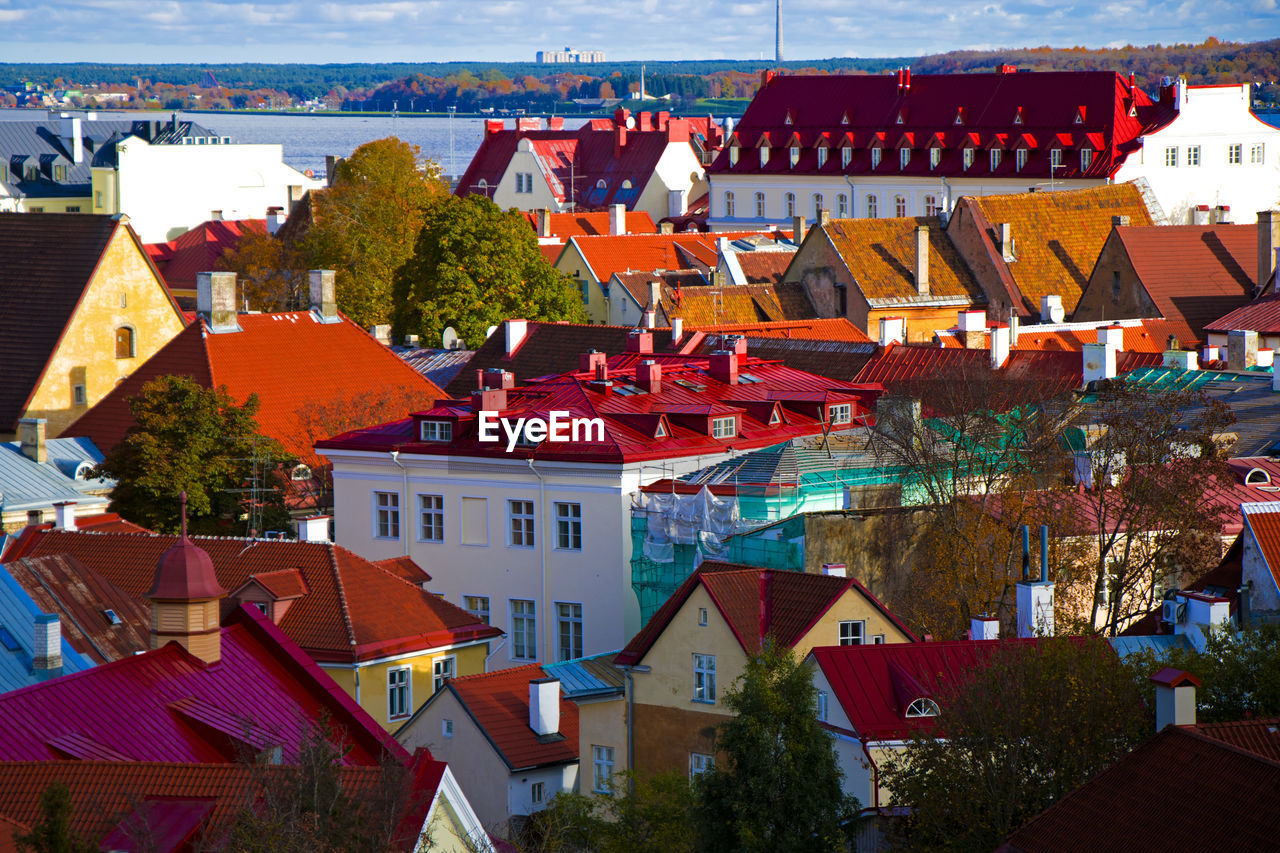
column 168, row 189
column 1216, row 153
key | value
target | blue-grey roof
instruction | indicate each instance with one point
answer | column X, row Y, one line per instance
column 17, row 619
column 438, row 365
column 1157, row 643
column 27, row 485
column 587, row 677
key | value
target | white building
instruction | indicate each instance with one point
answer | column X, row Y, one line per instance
column 570, row 55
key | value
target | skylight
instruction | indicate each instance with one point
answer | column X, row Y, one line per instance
column 7, row 640
column 111, row 616
column 749, row 379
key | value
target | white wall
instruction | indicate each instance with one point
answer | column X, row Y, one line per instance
column 524, row 161
column 562, row 777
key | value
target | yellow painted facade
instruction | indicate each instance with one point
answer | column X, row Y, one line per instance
column 125, row 292
column 575, row 266
column 373, row 694
column 57, row 204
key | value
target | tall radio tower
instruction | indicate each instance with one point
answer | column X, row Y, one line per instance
column 779, row 59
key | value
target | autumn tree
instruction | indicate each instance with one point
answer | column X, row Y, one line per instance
column 779, row 788
column 366, row 223
column 1026, row 727
column 201, row 441
column 474, row 265
column 270, row 273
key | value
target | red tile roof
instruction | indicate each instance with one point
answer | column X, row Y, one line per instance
column 1150, row 336
column 764, row 267
column 200, row 249
column 606, row 254
column 350, row 610
column 795, row 601
column 167, row 705
column 108, row 522
column 289, row 360
column 1264, row 521
column 1261, row 737
column 404, row 568
column 1181, row 790
column 583, row 223
column 498, row 702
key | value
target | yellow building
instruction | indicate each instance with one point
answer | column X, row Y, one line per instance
column 81, row 307
column 697, row 645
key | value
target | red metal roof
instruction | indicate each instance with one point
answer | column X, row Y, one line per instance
column 263, row 690
column 1151, row 336
column 1261, row 315
column 499, row 704
column 290, row 360
column 352, row 610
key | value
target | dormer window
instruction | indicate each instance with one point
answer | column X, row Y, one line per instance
column 764, row 155
column 844, row 117
column 733, row 155
column 794, row 153
column 822, row 157
column 1086, row 159
column 775, row 417
column 1020, row 158
column 789, row 118
column 904, row 157
column 995, row 159
column 436, row 431
column 1017, row 117
column 922, row 707
column 600, row 184
column 724, row 427
column 875, row 158
column 840, row 414
column 960, row 116
column 935, row 157
column 661, row 431
column 902, row 118
column 968, row 158
column 300, row 473
column 846, row 156
column 1055, row 158
column 1079, row 115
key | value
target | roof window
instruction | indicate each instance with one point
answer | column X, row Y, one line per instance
column 8, row 641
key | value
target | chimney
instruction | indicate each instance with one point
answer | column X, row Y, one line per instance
column 1200, row 214
column 1268, row 243
column 544, row 222
column 31, row 439
column 275, row 218
column 1051, row 308
column 892, row 330
column 1112, row 337
column 617, row 219
column 1099, row 362
column 381, row 333
column 323, row 295
column 724, row 367
column 313, row 528
column 489, row 400
column 736, row 344
column 1180, row 359
column 1120, row 221
column 984, row 627
column 922, row 260
column 1175, row 698
column 555, row 123
column 649, row 376
column 835, row 570
column 639, row 341
column 666, row 228
column 1013, row 328
column 973, row 329
column 1006, row 242
column 331, row 162
column 1242, row 349
column 64, row 515
column 411, row 341
column 1035, row 598
column 898, row 416
column 46, row 653
column 655, row 295
column 999, row 346
column 496, row 377
column 72, row 134
column 515, row 332
column 677, row 330
column 645, row 120
column 824, row 216
column 590, row 360
column 797, row 230
column 766, row 605
column 216, row 300
column 619, row 140
column 676, row 204
column 650, row 319
column 544, row 706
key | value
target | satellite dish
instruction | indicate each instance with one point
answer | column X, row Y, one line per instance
column 489, row 333
column 449, row 340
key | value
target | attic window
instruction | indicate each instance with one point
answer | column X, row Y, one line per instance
column 660, row 432
column 822, row 157
column 935, row 157
column 626, row 185
column 300, row 472
column 960, row 116
column 111, row 616
column 775, row 417
column 436, row 431
column 795, row 155
column 789, row 118
column 844, row 117
column 748, row 379
column 724, row 427
column 1017, row 117
column 764, row 155
column 902, row 118
column 7, row 640
column 922, row 708
column 846, row 154
column 600, row 184
column 1079, row 115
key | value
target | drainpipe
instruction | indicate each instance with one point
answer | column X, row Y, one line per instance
column 875, row 773
column 542, row 554
column 631, row 729
column 404, row 499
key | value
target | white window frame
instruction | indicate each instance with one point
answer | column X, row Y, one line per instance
column 704, row 679
column 931, row 206
column 1193, row 155
column 764, row 156
column 436, row 431
column 729, row 206
column 702, row 617
column 430, row 518
column 537, row 793
column 471, row 604
column 1257, row 153
column 875, row 158
column 789, row 204
column 386, row 515
column 841, row 413
column 921, row 707
column 794, row 154
column 439, row 673
column 899, row 206
column 726, row 427
column 522, row 523
column 842, row 206
column 399, row 683
column 601, row 768
column 1235, row 154
column 817, row 205
column 904, row 157
column 935, row 157
column 852, row 632
column 967, row 158
column 873, row 206
column 699, row 763
column 524, row 628
column 733, row 156
column 568, row 614
column 1055, row 158
column 568, row 526
column 994, row 159
column 1020, row 159
column 446, row 728
column 846, row 157
column 79, row 394
column 1171, row 156
column 820, row 702
column 760, row 208
column 822, row 157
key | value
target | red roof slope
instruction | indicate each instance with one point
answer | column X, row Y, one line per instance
column 1261, row 737
column 584, row 222
column 498, row 702
column 289, row 360
column 1261, row 315
column 609, row 254
column 830, row 329
column 1181, row 790
column 200, row 249
column 351, row 609
column 167, row 705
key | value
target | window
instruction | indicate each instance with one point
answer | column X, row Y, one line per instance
column 789, row 202
column 73, row 208
column 794, row 154
column 922, row 708
column 262, row 607
column 35, row 516
column 700, row 763
column 483, row 185
column 935, row 157
column 524, row 630
column 995, row 159
column 601, row 184
column 733, row 156
column 60, row 174
column 873, row 207
column 431, row 518
column 878, row 639
column 820, row 700
column 931, row 207
column 601, row 768
column 1055, row 158
column 386, row 515
column 569, row 630
column 764, row 157
column 759, row 205
column 968, row 158
column 1256, row 154
column 899, row 206
column 1171, row 156
column 702, row 616
column 1235, row 154
column 79, row 396
column 398, row 692
column 477, row 606
column 446, row 728
column 704, row 678
column 817, row 205
column 846, row 156
column 125, row 343
column 520, row 524
column 875, row 158
column 436, row 431
column 904, row 157
column 1020, row 159
column 442, row 670
column 536, row 792
column 841, row 414
column 724, row 427
column 842, row 206
column 1193, row 155
column 852, row 633
column 475, row 521
column 822, row 157
column 300, row 472
column 1086, row 159
column 569, row 526
column 1115, row 285
column 728, row 204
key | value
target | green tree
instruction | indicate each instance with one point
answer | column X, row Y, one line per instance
column 365, row 223
column 641, row 814
column 1031, row 724
column 198, row 440
column 52, row 832
column 779, row 787
column 473, row 266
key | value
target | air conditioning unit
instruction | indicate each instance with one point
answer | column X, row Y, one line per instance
column 1174, row 612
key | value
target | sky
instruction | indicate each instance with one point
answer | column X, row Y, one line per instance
column 217, row 31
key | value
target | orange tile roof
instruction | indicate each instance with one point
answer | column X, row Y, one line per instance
column 822, row 329
column 592, row 222
column 1150, row 336
column 764, row 267
column 1058, row 236
column 738, row 304
column 499, row 704
column 606, row 254
column 290, row 360
column 880, row 255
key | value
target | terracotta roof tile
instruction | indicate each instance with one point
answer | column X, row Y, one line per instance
column 764, row 267
column 199, row 249
column 736, row 304
column 499, row 703
column 583, row 223
column 880, row 255
column 404, row 568
column 607, row 254
column 1261, row 737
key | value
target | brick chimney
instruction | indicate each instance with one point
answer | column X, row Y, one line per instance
column 1242, row 349
column 496, row 377
column 649, row 376
column 324, row 301
column 797, row 230
column 544, row 706
column 216, row 300
column 46, row 652
column 973, row 329
column 922, row 260
column 31, row 439
column 723, row 367
column 1268, row 243
column 1175, row 698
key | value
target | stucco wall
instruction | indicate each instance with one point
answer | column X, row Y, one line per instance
column 572, row 264
column 601, row 723
column 373, row 695
column 1101, row 300
column 523, row 161
column 817, row 267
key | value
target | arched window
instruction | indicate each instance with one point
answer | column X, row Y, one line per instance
column 300, row 472
column 817, row 204
column 931, row 205
column 125, row 343
column 790, row 204
column 626, row 185
column 842, row 206
column 899, row 206
column 759, row 205
column 483, row 185
column 873, row 207
column 600, row 184
column 922, row 707
column 728, row 203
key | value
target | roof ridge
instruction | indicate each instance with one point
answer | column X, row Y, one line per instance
column 342, row 592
